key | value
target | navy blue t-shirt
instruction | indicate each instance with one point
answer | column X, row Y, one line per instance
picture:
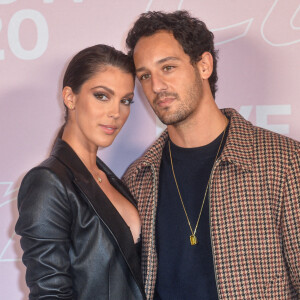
column 185, row 271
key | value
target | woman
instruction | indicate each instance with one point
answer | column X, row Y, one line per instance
column 79, row 224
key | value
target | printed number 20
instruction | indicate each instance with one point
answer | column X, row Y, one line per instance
column 14, row 37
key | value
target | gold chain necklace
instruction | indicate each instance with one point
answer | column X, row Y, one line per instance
column 193, row 238
column 97, row 176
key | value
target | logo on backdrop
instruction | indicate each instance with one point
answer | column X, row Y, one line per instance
column 13, row 32
column 231, row 32
column 8, row 197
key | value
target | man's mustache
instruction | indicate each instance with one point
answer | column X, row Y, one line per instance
column 162, row 95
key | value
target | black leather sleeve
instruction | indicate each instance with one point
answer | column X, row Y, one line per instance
column 44, row 225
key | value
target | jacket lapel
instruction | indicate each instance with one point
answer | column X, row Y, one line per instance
column 101, row 205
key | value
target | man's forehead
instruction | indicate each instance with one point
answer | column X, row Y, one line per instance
column 157, row 48
column 159, row 62
column 161, row 36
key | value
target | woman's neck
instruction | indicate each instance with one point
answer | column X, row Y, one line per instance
column 87, row 153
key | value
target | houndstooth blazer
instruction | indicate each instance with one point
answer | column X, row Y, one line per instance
column 254, row 203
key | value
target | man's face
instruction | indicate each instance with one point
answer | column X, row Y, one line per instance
column 172, row 85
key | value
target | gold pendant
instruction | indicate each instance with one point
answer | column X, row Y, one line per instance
column 193, row 240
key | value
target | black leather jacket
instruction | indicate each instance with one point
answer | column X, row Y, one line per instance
column 76, row 245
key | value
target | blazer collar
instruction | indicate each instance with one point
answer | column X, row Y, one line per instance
column 101, row 205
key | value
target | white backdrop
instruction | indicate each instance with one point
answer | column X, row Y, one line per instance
column 259, row 43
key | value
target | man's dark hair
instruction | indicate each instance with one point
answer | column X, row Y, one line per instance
column 191, row 33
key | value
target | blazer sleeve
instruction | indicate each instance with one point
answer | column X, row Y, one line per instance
column 44, row 225
column 290, row 221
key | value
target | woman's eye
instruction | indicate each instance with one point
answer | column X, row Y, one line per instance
column 127, row 101
column 168, row 68
column 101, row 96
column 144, row 77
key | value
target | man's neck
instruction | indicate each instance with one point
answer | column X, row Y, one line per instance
column 199, row 129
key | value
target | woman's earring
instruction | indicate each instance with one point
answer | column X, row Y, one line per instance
column 71, row 106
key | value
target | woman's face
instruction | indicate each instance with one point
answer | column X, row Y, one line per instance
column 100, row 109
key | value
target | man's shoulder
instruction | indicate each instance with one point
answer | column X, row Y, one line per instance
column 247, row 143
column 280, row 149
column 244, row 129
column 267, row 137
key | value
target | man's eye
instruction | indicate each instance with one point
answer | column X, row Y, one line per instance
column 101, row 96
column 144, row 77
column 168, row 68
column 127, row 101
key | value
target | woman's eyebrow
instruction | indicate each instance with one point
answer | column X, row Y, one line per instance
column 105, row 88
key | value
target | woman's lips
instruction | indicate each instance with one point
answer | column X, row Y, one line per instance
column 108, row 129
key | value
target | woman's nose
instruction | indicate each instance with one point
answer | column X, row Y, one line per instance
column 114, row 111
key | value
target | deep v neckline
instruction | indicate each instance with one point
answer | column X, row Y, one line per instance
column 101, row 205
column 122, row 220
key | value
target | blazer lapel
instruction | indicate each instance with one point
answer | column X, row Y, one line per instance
column 101, row 205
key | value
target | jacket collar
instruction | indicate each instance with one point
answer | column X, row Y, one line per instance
column 239, row 143
column 237, row 150
column 101, row 205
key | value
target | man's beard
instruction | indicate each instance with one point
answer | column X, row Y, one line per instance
column 184, row 108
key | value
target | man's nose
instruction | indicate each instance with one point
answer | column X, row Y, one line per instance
column 158, row 84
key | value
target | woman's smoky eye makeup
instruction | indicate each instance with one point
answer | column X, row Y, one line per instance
column 127, row 101
column 100, row 96
column 105, row 96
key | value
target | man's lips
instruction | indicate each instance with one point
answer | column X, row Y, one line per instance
column 108, row 129
column 166, row 101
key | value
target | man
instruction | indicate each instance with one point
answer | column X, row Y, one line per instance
column 218, row 197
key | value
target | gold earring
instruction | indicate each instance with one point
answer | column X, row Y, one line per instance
column 71, row 106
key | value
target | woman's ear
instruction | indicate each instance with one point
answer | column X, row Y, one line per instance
column 205, row 65
column 69, row 97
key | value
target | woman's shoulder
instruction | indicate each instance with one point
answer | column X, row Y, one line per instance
column 42, row 202
column 42, row 194
column 49, row 169
column 50, row 177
